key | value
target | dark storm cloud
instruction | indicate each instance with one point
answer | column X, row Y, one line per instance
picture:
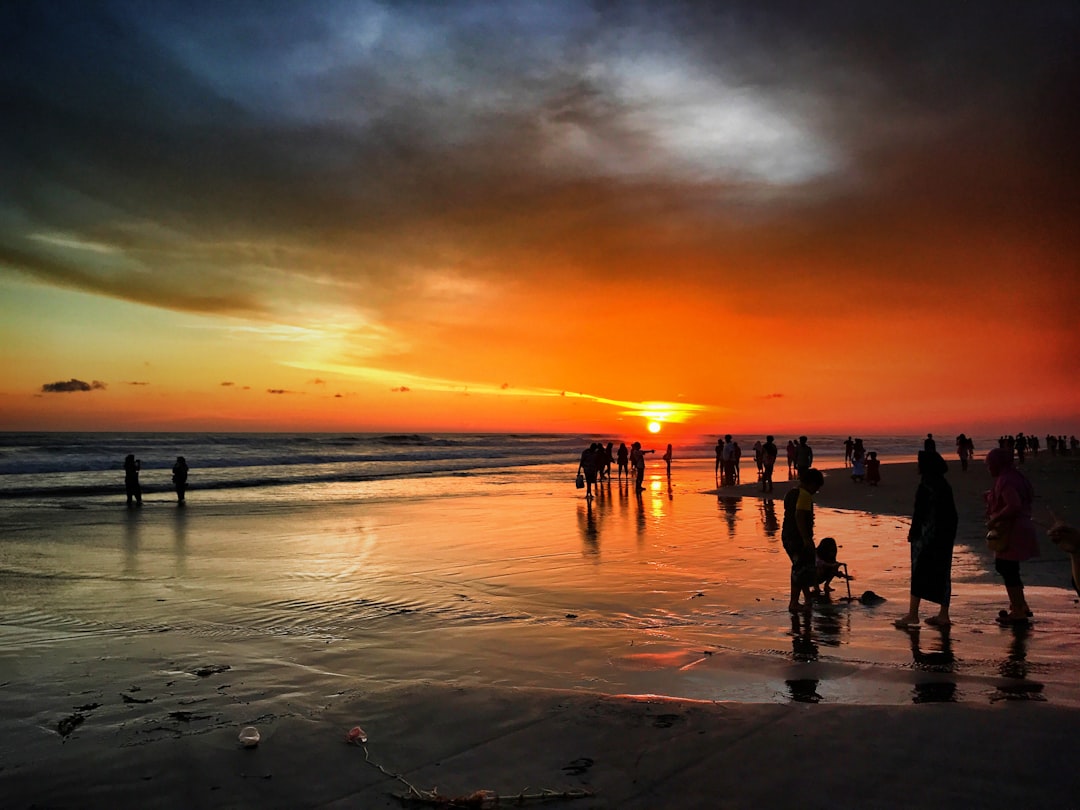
column 71, row 386
column 195, row 156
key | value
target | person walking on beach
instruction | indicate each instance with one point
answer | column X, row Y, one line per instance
column 804, row 456
column 719, row 459
column 179, row 478
column 849, row 446
column 667, row 460
column 637, row 463
column 963, row 451
column 791, row 452
column 932, row 534
column 758, row 460
column 768, row 461
column 132, row 466
column 1010, row 532
column 797, row 536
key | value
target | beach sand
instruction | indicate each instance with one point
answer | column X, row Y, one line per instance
column 135, row 648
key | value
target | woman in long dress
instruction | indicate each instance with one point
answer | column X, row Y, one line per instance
column 932, row 534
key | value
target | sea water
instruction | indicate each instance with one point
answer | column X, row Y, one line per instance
column 473, row 559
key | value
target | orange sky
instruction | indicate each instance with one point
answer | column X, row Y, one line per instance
column 334, row 218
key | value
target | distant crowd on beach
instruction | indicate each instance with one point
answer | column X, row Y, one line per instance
column 594, row 466
column 1010, row 531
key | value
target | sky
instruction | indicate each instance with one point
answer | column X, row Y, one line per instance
column 553, row 216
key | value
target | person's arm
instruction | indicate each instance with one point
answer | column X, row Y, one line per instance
column 1010, row 505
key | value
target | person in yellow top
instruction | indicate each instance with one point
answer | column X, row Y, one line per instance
column 797, row 535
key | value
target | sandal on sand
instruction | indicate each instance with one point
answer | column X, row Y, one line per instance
column 934, row 621
column 903, row 624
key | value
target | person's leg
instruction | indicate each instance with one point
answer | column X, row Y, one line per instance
column 1014, row 587
column 912, row 616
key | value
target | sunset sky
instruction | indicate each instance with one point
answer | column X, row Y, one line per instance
column 540, row 216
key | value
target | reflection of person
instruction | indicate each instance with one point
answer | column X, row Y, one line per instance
column 179, row 477
column 1008, row 516
column 932, row 533
column 797, row 536
column 132, row 466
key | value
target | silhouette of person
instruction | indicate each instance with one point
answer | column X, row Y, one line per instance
column 623, row 456
column 768, row 461
column 588, row 466
column 132, row 466
column 719, row 459
column 179, row 477
column 804, row 456
column 873, row 469
column 797, row 536
column 849, row 446
column 932, row 534
column 1008, row 516
column 963, row 451
column 667, row 460
column 637, row 462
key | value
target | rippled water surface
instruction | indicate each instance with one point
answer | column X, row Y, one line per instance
column 510, row 577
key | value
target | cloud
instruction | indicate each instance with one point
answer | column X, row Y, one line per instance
column 227, row 384
column 72, row 385
column 135, row 382
column 282, row 391
column 401, row 389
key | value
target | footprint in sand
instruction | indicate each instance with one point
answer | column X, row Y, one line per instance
column 665, row 720
column 578, row 766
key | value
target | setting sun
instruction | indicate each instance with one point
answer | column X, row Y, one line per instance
column 654, row 427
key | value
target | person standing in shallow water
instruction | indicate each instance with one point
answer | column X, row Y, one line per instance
column 637, row 463
column 179, row 477
column 667, row 460
column 797, row 536
column 1008, row 515
column 932, row 534
column 132, row 466
column 623, row 460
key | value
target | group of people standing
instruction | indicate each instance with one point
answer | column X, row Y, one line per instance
column 594, row 466
column 1010, row 535
column 800, row 456
column 133, row 489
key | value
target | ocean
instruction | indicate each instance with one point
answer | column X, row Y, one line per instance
column 88, row 467
column 315, row 563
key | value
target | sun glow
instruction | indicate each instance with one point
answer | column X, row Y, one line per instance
column 654, row 427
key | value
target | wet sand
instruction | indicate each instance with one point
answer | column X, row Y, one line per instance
column 521, row 648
